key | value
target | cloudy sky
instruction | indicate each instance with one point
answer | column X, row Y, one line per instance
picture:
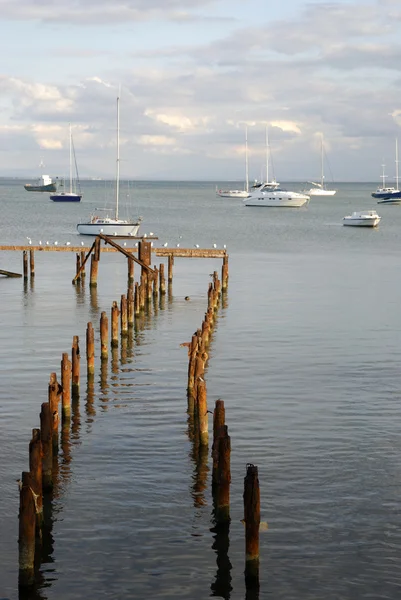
column 194, row 74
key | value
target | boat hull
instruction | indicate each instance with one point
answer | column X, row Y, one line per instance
column 110, row 229
column 319, row 192
column 51, row 187
column 232, row 193
column 277, row 199
column 362, row 219
column 66, row 197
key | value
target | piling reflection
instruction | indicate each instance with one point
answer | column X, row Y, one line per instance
column 94, row 301
column 199, row 456
column 90, row 400
column 79, row 288
column 221, row 586
column 104, row 385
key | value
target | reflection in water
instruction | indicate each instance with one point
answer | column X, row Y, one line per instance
column 224, row 299
column 94, row 302
column 104, row 386
column 124, row 346
column 75, row 418
column 221, row 586
column 90, row 397
column 199, row 456
column 170, row 293
column 80, row 291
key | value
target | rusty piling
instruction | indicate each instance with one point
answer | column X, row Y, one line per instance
column 75, row 365
column 90, row 351
column 32, row 262
column 53, row 397
column 66, row 372
column 94, row 271
column 25, row 264
column 47, row 448
column 83, row 273
column 201, row 403
column 35, row 469
column 252, row 523
column 78, row 267
column 114, row 324
column 27, row 528
column 124, row 316
column 104, row 336
column 224, row 273
column 222, row 490
column 170, row 267
column 130, row 306
column 162, row 280
column 219, row 420
column 131, row 266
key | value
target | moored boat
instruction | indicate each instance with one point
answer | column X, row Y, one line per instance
column 43, row 184
column 363, row 218
column 388, row 194
column 72, row 195
column 276, row 197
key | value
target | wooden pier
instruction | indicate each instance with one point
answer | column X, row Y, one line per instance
column 176, row 252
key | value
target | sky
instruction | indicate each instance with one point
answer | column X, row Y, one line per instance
column 193, row 77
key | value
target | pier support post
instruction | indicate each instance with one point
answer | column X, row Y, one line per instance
column 66, row 368
column 252, row 523
column 224, row 273
column 83, row 272
column 77, row 267
column 47, row 448
column 131, row 265
column 90, row 351
column 223, row 476
column 25, row 264
column 170, row 267
column 162, row 282
column 94, row 271
column 130, row 306
column 26, row 537
column 32, row 262
column 219, row 420
column 53, row 396
column 114, row 324
column 104, row 336
column 203, row 421
column 35, row 469
column 124, row 316
column 75, row 360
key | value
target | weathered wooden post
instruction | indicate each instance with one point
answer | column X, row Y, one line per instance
column 224, row 273
column 83, row 273
column 162, row 282
column 170, row 267
column 219, row 420
column 32, row 262
column 130, row 306
column 53, row 396
column 75, row 363
column 66, row 369
column 223, row 450
column 252, row 523
column 77, row 267
column 114, row 324
column 191, row 368
column 90, row 351
column 124, row 316
column 35, row 469
column 47, row 448
column 156, row 282
column 25, row 264
column 203, row 421
column 104, row 336
column 137, row 300
column 94, row 271
column 27, row 528
column 131, row 266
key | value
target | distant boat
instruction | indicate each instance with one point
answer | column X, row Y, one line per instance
column 389, row 195
column 238, row 193
column 71, row 195
column 276, row 197
column 111, row 226
column 366, row 218
column 43, row 184
column 320, row 189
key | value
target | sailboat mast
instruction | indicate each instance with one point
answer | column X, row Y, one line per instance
column 396, row 163
column 246, row 160
column 70, row 161
column 267, row 155
column 118, row 157
column 321, row 162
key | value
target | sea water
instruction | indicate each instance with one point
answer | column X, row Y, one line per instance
column 305, row 354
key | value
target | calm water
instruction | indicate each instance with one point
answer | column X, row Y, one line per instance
column 306, row 354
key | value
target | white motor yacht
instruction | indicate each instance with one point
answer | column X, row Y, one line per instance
column 363, row 218
column 268, row 195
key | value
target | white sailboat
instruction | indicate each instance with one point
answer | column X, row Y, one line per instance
column 385, row 194
column 320, row 189
column 273, row 184
column 112, row 226
column 238, row 193
column 71, row 195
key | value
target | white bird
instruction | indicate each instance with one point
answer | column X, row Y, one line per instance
column 68, row 243
column 115, row 233
column 55, row 243
column 136, row 244
column 130, row 233
column 151, row 233
column 214, row 245
column 29, row 241
column 145, row 235
column 180, row 237
column 178, row 245
column 40, row 242
column 224, row 246
column 125, row 243
column 151, row 244
column 82, row 243
column 101, row 231
column 196, row 245
column 47, row 243
column 165, row 245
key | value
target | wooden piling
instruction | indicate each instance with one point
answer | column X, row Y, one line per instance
column 90, row 351
column 137, row 300
column 252, row 523
column 104, row 336
column 83, row 272
column 191, row 364
column 124, row 316
column 155, row 282
column 47, row 448
column 170, row 267
column 35, row 469
column 131, row 266
column 53, row 397
column 114, row 324
column 32, row 262
column 66, row 371
column 224, row 273
column 75, row 365
column 26, row 537
column 94, row 271
column 130, row 306
column 219, row 420
column 78, row 267
column 25, row 264
column 203, row 421
column 222, row 507
column 162, row 281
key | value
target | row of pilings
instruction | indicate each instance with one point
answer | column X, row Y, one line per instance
column 221, row 442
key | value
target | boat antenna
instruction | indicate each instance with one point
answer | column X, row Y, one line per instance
column 118, row 155
column 396, row 163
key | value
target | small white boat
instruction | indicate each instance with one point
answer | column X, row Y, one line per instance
column 238, row 193
column 111, row 226
column 320, row 189
column 363, row 218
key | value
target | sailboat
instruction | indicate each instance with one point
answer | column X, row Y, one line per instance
column 320, row 189
column 389, row 195
column 238, row 193
column 112, row 226
column 72, row 195
column 266, row 185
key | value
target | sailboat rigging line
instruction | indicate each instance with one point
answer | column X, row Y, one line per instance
column 78, row 182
